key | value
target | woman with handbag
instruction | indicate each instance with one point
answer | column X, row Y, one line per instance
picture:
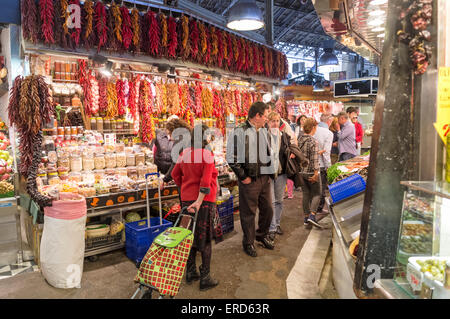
column 196, row 176
column 310, row 180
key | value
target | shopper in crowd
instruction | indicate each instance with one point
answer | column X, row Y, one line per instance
column 246, row 148
column 310, row 174
column 346, row 137
column 292, row 122
column 299, row 129
column 359, row 132
column 324, row 137
column 290, row 130
column 335, row 148
column 196, row 176
column 180, row 141
column 283, row 145
column 162, row 148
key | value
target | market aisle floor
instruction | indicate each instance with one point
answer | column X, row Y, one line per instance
column 240, row 276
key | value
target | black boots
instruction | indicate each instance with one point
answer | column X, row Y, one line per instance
column 206, row 282
column 191, row 273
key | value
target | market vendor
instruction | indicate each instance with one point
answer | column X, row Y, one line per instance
column 162, row 147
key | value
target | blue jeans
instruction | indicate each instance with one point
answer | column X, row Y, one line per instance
column 278, row 185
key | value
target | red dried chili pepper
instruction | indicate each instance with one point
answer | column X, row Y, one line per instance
column 127, row 34
column 30, row 20
column 173, row 37
column 194, row 38
column 153, row 32
column 101, row 24
column 219, row 47
column 46, row 13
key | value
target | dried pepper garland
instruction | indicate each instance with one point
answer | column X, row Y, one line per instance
column 77, row 31
column 135, row 16
column 89, row 35
column 101, row 24
column 46, row 14
column 214, row 44
column 202, row 39
column 153, row 33
column 113, row 42
column 120, row 97
column 112, row 110
column 29, row 20
column 194, row 39
column 164, row 33
column 103, row 94
column 115, row 10
column 127, row 33
column 173, row 99
column 133, row 97
column 219, row 47
column 207, row 102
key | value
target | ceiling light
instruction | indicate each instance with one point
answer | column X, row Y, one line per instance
column 378, row 29
column 378, row 2
column 376, row 13
column 375, row 22
column 245, row 16
column 106, row 70
column 328, row 57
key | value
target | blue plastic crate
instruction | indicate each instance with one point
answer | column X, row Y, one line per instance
column 225, row 211
column 139, row 236
column 347, row 187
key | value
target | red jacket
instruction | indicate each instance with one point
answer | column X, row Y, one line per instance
column 195, row 171
column 359, row 132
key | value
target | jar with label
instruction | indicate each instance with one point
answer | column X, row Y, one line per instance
column 73, row 130
column 119, row 126
column 99, row 161
column 131, row 159
column 76, row 163
column 99, row 124
column 132, row 173
column 140, row 158
column 106, row 125
column 88, row 162
column 80, row 130
column 67, row 130
column 99, row 174
column 110, row 159
column 121, row 160
column 42, row 174
column 141, row 171
column 93, row 124
column 76, row 100
column 113, row 125
column 60, row 130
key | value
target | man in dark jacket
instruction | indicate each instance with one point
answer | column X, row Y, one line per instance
column 248, row 155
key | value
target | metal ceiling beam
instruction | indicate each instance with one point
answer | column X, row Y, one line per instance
column 229, row 6
column 269, row 22
column 293, row 24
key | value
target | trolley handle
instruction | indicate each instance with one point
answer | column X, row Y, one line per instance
column 184, row 212
column 159, row 198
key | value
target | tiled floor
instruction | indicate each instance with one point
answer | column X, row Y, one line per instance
column 7, row 271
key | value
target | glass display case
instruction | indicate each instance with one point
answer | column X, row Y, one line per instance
column 423, row 253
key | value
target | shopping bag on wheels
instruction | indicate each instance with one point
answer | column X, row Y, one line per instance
column 164, row 264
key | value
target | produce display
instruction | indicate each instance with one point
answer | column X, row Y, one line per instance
column 433, row 268
column 339, row 171
column 420, row 207
column 420, row 244
column 416, row 229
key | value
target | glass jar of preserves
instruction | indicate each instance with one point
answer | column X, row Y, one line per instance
column 73, row 130
column 140, row 158
column 113, row 125
column 106, row 125
column 131, row 159
column 60, row 130
column 119, row 126
column 110, row 159
column 93, row 124
column 63, row 161
column 88, row 163
column 99, row 124
column 76, row 163
column 80, row 130
column 132, row 173
column 67, row 130
column 121, row 160
column 99, row 161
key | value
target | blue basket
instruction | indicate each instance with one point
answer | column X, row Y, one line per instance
column 347, row 187
column 225, row 211
column 139, row 237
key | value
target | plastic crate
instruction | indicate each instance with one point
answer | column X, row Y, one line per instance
column 347, row 187
column 103, row 240
column 139, row 236
column 225, row 211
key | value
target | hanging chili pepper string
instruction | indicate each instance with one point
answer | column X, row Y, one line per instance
column 173, row 37
column 127, row 34
column 153, row 33
column 46, row 14
column 135, row 17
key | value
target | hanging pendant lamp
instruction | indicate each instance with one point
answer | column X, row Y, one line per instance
column 328, row 57
column 245, row 16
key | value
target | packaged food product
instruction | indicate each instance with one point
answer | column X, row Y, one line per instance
column 80, row 130
column 76, row 163
column 120, row 148
column 67, row 130
column 64, row 176
column 88, row 163
column 60, row 130
column 99, row 161
column 75, row 177
column 106, row 125
column 99, row 124
column 140, row 158
column 53, row 179
column 87, row 191
column 119, row 125
column 141, row 171
column 98, row 175
column 132, row 173
column 110, row 159
column 121, row 160
column 110, row 171
column 122, row 171
column 113, row 126
column 93, row 124
column 131, row 159
column 73, row 130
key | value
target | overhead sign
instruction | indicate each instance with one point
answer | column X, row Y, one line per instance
column 442, row 124
column 358, row 87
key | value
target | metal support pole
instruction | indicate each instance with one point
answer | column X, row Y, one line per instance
column 269, row 22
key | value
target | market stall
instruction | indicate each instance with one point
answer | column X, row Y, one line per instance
column 112, row 83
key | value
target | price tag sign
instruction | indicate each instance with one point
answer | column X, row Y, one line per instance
column 110, row 139
column 414, row 277
column 442, row 124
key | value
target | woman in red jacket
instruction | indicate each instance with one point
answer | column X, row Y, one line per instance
column 196, row 176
